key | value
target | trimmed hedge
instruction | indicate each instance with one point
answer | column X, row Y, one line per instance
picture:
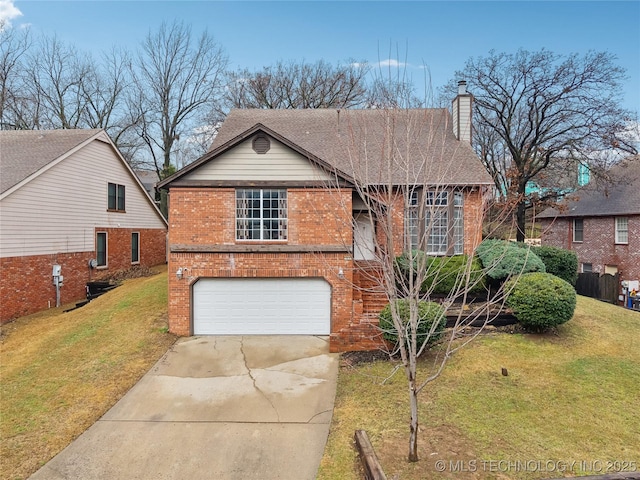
column 502, row 259
column 442, row 273
column 428, row 314
column 540, row 300
column 559, row 262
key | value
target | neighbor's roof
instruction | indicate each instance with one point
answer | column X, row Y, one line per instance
column 24, row 152
column 344, row 139
column 620, row 195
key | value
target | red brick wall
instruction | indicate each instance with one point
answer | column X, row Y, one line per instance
column 206, row 216
column 598, row 246
column 474, row 211
column 27, row 284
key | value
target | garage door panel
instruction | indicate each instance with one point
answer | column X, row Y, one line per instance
column 261, row 306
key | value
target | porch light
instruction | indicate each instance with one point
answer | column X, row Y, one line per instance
column 179, row 273
column 341, row 273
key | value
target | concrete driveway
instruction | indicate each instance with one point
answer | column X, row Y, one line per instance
column 226, row 407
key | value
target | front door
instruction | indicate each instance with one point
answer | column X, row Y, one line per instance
column 363, row 242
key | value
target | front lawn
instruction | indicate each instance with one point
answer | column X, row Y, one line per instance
column 569, row 405
column 62, row 371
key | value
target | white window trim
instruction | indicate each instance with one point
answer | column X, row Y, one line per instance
column 619, row 230
column 438, row 204
column 283, row 228
column 573, row 226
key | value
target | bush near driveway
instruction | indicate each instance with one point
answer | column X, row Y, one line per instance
column 429, row 313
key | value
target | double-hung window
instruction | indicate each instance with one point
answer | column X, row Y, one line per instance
column 261, row 214
column 115, row 197
column 622, row 230
column 578, row 229
column 435, row 222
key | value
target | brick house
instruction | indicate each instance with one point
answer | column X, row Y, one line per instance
column 601, row 223
column 68, row 198
column 268, row 233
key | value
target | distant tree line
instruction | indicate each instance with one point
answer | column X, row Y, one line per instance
column 163, row 103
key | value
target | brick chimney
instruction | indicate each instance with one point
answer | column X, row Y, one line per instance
column 461, row 109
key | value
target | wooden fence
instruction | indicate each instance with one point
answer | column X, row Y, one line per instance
column 603, row 287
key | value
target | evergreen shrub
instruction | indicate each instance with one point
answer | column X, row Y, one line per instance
column 540, row 300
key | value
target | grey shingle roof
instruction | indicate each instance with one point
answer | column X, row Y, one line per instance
column 24, row 152
column 620, row 195
column 403, row 146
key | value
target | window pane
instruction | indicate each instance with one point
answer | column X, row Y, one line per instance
column 578, row 229
column 437, row 198
column 101, row 249
column 121, row 197
column 261, row 214
column 112, row 204
column 458, row 224
column 437, row 226
column 135, row 247
column 622, row 233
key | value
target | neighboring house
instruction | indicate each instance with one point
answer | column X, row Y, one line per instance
column 68, row 198
column 559, row 178
column 260, row 243
column 149, row 180
column 601, row 223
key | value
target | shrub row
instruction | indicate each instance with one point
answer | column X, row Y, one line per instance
column 502, row 259
column 441, row 275
column 559, row 262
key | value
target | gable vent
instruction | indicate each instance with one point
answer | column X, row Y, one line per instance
column 261, row 144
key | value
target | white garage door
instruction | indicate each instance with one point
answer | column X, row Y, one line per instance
column 261, row 306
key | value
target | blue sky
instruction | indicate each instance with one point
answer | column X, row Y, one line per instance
column 441, row 35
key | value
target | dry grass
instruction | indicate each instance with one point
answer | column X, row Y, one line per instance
column 62, row 371
column 570, row 396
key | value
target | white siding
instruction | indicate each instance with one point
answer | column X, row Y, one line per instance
column 57, row 211
column 242, row 163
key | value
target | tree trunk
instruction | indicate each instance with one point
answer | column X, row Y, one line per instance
column 413, row 435
column 520, row 218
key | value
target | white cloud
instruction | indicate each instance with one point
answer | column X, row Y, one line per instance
column 8, row 12
column 391, row 62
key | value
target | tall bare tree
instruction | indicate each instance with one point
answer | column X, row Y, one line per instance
column 178, row 78
column 405, row 168
column 14, row 45
column 535, row 110
column 57, row 73
column 298, row 85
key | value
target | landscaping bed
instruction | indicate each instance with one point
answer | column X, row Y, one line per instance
column 570, row 396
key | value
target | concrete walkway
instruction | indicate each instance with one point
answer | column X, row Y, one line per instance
column 252, row 407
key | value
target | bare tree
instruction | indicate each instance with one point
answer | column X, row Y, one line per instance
column 14, row 45
column 177, row 79
column 538, row 109
column 405, row 167
column 298, row 85
column 57, row 73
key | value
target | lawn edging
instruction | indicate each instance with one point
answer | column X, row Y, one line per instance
column 370, row 463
